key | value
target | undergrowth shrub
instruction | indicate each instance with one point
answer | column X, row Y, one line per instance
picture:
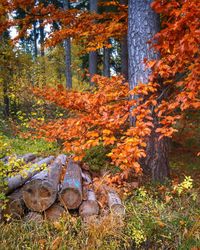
column 97, row 159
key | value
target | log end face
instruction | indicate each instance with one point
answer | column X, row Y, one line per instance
column 54, row 213
column 89, row 208
column 71, row 198
column 39, row 196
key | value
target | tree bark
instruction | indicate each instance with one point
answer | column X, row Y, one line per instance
column 18, row 180
column 35, row 39
column 93, row 54
column 71, row 192
column 67, row 46
column 143, row 24
column 41, row 28
column 115, row 204
column 41, row 191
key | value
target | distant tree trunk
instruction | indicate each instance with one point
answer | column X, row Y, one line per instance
column 106, row 62
column 92, row 54
column 143, row 24
column 41, row 28
column 67, row 46
column 124, row 51
column 35, row 39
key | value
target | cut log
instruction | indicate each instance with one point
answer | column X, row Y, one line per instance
column 71, row 192
column 28, row 157
column 87, row 179
column 115, row 203
column 15, row 207
column 54, row 213
column 33, row 217
column 14, row 182
column 41, row 191
column 89, row 207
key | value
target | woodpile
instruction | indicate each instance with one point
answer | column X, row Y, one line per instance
column 36, row 193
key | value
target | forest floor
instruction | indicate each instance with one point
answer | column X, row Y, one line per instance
column 157, row 216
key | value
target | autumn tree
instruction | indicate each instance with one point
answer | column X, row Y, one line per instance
column 67, row 46
column 144, row 23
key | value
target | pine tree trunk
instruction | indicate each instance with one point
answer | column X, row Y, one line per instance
column 143, row 24
column 67, row 46
column 92, row 54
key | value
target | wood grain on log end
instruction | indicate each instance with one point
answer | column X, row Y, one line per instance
column 39, row 195
column 71, row 198
column 55, row 212
column 89, row 208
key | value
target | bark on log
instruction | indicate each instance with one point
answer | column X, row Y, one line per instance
column 87, row 179
column 71, row 192
column 33, row 217
column 14, row 182
column 41, row 191
column 15, row 208
column 115, row 203
column 54, row 213
column 28, row 157
column 89, row 207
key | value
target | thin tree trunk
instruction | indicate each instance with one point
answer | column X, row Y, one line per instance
column 143, row 24
column 35, row 40
column 106, row 62
column 93, row 54
column 41, row 39
column 124, row 51
column 67, row 46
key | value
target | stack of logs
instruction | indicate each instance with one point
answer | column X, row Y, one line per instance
column 37, row 194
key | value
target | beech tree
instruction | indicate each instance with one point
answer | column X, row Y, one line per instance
column 163, row 81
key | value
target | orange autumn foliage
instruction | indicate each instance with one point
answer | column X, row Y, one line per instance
column 101, row 115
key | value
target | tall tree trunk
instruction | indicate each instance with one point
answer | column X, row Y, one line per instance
column 92, row 54
column 106, row 62
column 143, row 24
column 124, row 51
column 67, row 46
column 35, row 39
column 41, row 39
